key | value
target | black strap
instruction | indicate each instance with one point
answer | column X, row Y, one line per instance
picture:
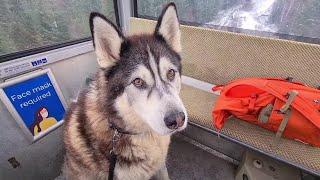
column 289, row 79
column 112, row 165
column 115, row 138
column 120, row 130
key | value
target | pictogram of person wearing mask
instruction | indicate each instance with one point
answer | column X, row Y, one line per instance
column 42, row 121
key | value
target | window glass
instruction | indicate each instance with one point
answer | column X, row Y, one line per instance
column 288, row 19
column 28, row 24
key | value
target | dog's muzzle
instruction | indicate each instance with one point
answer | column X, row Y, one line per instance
column 174, row 120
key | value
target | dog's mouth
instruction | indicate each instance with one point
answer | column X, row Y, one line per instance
column 172, row 131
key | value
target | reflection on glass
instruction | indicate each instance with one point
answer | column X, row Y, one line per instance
column 252, row 15
column 277, row 18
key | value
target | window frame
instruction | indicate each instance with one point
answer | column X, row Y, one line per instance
column 263, row 34
column 41, row 49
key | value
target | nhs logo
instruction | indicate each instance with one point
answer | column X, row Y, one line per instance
column 40, row 61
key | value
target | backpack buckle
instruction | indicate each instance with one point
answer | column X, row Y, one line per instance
column 286, row 111
column 265, row 113
column 291, row 95
column 282, row 126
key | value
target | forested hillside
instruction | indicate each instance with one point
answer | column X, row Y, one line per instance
column 26, row 24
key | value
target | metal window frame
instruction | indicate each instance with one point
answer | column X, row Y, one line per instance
column 135, row 8
column 125, row 12
column 37, row 50
column 25, row 64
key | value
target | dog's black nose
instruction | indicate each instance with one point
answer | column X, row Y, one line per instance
column 174, row 120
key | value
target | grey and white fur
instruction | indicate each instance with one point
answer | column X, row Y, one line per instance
column 137, row 90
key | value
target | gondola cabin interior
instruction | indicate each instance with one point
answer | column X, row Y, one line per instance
column 47, row 57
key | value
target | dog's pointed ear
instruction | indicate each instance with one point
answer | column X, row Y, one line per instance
column 107, row 39
column 168, row 27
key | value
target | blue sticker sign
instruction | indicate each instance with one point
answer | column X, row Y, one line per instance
column 37, row 102
column 39, row 61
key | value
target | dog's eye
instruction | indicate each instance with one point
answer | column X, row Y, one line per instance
column 138, row 82
column 171, row 74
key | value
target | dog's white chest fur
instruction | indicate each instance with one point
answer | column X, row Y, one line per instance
column 152, row 148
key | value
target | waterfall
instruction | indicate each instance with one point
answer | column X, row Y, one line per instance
column 251, row 15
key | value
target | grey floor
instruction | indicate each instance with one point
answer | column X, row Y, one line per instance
column 186, row 161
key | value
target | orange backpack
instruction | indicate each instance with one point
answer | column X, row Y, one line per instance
column 289, row 108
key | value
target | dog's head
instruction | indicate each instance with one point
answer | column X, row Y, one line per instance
column 143, row 72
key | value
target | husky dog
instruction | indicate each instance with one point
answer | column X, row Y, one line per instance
column 136, row 93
